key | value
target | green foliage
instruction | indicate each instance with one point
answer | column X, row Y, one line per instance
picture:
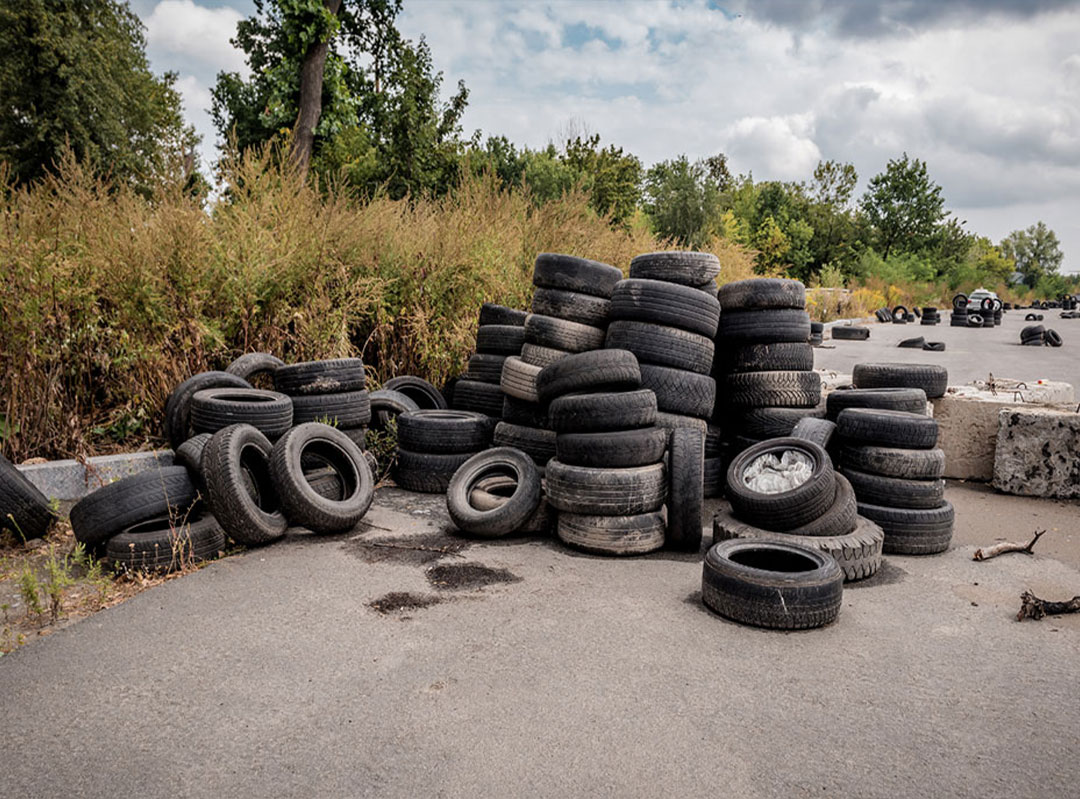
column 1036, row 253
column 611, row 177
column 683, row 200
column 75, row 75
column 903, row 206
column 30, row 591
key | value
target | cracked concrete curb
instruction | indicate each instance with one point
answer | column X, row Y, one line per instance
column 70, row 480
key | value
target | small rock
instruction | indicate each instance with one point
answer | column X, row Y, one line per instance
column 35, row 543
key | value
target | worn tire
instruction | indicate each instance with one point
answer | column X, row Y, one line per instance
column 763, row 292
column 616, row 449
column 527, row 414
column 712, row 477
column 667, row 304
column 190, row 454
column 24, row 510
column 566, row 272
column 267, row 411
column 763, row 423
column 932, row 379
column 912, row 400
column 388, row 404
column 518, row 379
column 896, row 492
column 679, row 391
column 444, row 431
column 634, row 534
column 774, row 389
column 772, row 584
column 785, row 356
column 511, row 514
column 178, row 406
column 321, row 377
column 911, row 531
column 420, row 391
column 840, row 333
column 472, row 395
column 345, row 409
column 603, row 411
column 485, row 367
column 426, row 472
column 662, row 346
column 161, row 545
column 911, row 464
column 858, row 553
column 500, row 339
column 492, row 314
column 573, row 306
column 606, row 492
column 165, row 492
column 595, row 371
column 686, row 485
column 765, row 326
column 559, row 334
column 839, row 519
column 887, row 428
column 683, row 267
column 254, row 364
column 676, row 421
column 820, row 431
column 783, row 510
column 538, row 355
column 241, row 493
column 536, row 443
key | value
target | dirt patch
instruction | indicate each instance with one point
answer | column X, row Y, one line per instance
column 461, row 576
column 411, row 550
column 397, row 601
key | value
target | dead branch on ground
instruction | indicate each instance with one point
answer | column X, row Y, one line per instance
column 1007, row 546
column 1031, row 607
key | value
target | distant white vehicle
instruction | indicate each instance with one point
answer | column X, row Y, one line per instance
column 975, row 298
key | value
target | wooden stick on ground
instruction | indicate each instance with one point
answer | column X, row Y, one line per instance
column 1031, row 607
column 1007, row 546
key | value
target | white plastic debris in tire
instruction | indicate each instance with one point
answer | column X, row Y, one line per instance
column 770, row 474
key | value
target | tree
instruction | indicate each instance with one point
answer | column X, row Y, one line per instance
column 903, row 206
column 612, row 177
column 683, row 199
column 74, row 73
column 1036, row 251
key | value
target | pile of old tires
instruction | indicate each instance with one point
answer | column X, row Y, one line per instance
column 331, row 391
column 666, row 314
column 1039, row 336
column 930, row 316
column 888, row 453
column 764, row 362
column 432, row 444
column 959, row 316
column 608, row 481
column 500, row 336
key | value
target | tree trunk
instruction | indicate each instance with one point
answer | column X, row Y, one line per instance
column 311, row 83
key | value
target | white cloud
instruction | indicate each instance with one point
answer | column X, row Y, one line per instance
column 200, row 34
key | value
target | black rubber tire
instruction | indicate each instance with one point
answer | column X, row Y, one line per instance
column 1033, row 342
column 929, row 310
column 163, row 492
column 766, row 326
column 492, row 314
column 606, row 492
column 241, row 493
column 912, row 400
column 901, row 314
column 300, row 502
column 1032, row 331
column 420, row 391
column 485, row 367
column 538, row 355
column 887, row 428
column 163, row 545
column 661, row 345
column 527, row 414
column 667, row 304
column 634, row 534
column 491, row 492
column 858, row 553
column 686, row 486
column 190, row 454
column 443, row 432
column 388, row 404
column 763, row 423
column 683, row 267
column 595, row 413
column 974, row 320
column 566, row 272
column 254, row 364
column 536, row 443
column 895, row 492
column 784, row 510
column 676, row 421
column 426, row 472
column 509, row 515
column 500, row 339
column 916, row 343
column 774, row 389
column 1029, row 317
column 345, row 409
column 559, row 334
column 518, row 379
column 573, row 306
column 763, row 292
column 678, row 391
column 215, row 408
column 1053, row 338
column 934, row 346
column 24, row 510
column 839, row 519
column 932, row 379
column 709, row 288
column 842, row 333
column 772, row 584
column 960, row 302
column 912, row 464
column 178, row 406
column 820, row 431
column 883, row 315
column 911, row 531
column 472, row 395
column 712, row 477
column 594, row 371
column 616, row 449
column 784, row 356
column 321, row 377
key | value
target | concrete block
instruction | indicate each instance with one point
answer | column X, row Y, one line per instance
column 968, row 419
column 1038, row 452
column 70, row 480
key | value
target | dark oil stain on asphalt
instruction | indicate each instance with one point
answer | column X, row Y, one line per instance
column 397, row 601
column 461, row 576
column 411, row 550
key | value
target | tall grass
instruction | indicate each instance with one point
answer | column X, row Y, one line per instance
column 110, row 300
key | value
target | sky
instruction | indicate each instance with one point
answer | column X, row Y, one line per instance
column 987, row 92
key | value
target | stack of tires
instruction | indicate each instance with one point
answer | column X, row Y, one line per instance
column 608, row 481
column 331, row 391
column 901, row 315
column 433, row 444
column 817, row 334
column 959, row 316
column 930, row 316
column 570, row 307
column 500, row 336
column 764, row 362
column 786, row 490
column 1038, row 336
column 666, row 313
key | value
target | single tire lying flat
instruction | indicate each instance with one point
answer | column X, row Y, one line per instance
column 762, row 423
column 241, row 493
column 774, row 389
column 566, row 272
column 612, row 535
column 676, row 421
column 667, row 304
column 472, row 395
column 606, row 492
column 661, row 345
column 572, row 306
column 518, row 379
column 616, row 449
column 425, row 472
column 858, row 553
column 527, row 414
column 783, row 356
column 595, row 371
column 559, row 334
column 887, row 428
column 896, row 492
column 536, row 443
column 932, row 379
column 683, row 267
column 485, row 367
column 772, row 584
column 155, row 493
column 841, row 333
column 492, row 314
column 541, row 356
column 500, row 339
column 679, row 391
column 165, row 545
column 321, row 377
column 603, row 411
column 509, row 515
column 912, row 464
column 344, row 409
column 444, row 431
column 912, row 400
column 764, row 326
column 911, row 531
column 178, row 406
column 762, row 292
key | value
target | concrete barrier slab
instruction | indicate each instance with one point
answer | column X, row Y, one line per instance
column 70, row 480
column 1038, row 452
